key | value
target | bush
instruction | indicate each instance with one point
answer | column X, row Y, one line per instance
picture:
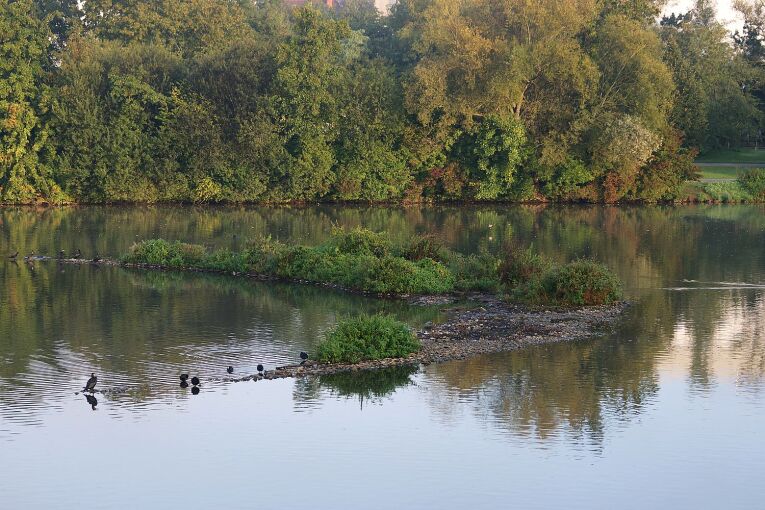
column 727, row 192
column 474, row 272
column 578, row 283
column 164, row 253
column 367, row 338
column 520, row 266
column 360, row 241
column 754, row 182
column 425, row 246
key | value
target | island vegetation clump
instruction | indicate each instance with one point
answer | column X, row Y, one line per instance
column 211, row 101
column 367, row 337
column 364, row 260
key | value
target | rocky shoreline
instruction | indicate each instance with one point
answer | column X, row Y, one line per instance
column 492, row 326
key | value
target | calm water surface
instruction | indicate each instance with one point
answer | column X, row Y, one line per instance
column 668, row 411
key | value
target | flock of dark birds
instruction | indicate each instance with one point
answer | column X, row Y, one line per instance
column 90, row 385
column 30, row 259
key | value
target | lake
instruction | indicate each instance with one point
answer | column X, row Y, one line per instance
column 666, row 411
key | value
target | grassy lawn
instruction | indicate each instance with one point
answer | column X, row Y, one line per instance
column 733, row 156
column 719, row 172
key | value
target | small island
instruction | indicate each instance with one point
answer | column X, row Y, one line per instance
column 515, row 300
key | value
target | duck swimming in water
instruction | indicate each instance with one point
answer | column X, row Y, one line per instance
column 91, row 384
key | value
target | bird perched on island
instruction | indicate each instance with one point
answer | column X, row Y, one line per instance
column 91, row 384
column 77, row 254
column 304, row 357
column 260, row 368
column 13, row 256
column 230, row 369
column 61, row 255
column 195, row 381
column 96, row 258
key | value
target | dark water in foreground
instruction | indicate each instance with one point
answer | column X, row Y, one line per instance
column 667, row 412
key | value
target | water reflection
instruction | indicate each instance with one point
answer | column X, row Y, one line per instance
column 371, row 386
column 695, row 273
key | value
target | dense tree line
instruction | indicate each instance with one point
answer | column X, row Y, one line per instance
column 242, row 100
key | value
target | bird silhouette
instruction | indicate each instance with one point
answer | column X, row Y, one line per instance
column 304, row 357
column 96, row 258
column 91, row 384
column 13, row 256
column 184, row 384
column 195, row 381
column 78, row 254
column 195, row 390
column 93, row 401
column 184, row 377
column 230, row 370
column 260, row 368
column 61, row 255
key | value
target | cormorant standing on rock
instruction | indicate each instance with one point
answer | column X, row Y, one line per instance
column 260, row 368
column 195, row 381
column 78, row 254
column 91, row 384
column 304, row 357
column 230, row 370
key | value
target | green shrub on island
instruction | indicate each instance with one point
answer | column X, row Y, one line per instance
column 354, row 259
column 520, row 266
column 365, row 338
column 578, row 283
column 727, row 192
column 753, row 181
column 364, row 260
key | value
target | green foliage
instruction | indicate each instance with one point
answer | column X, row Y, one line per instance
column 753, row 180
column 578, row 283
column 727, row 192
column 474, row 272
column 520, row 266
column 360, row 241
column 226, row 101
column 24, row 104
column 367, row 338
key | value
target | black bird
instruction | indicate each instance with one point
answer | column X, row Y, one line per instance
column 93, row 401
column 78, row 254
column 184, row 384
column 13, row 256
column 195, row 391
column 260, row 368
column 303, row 356
column 230, row 370
column 184, row 377
column 61, row 255
column 195, row 381
column 91, row 384
column 96, row 259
